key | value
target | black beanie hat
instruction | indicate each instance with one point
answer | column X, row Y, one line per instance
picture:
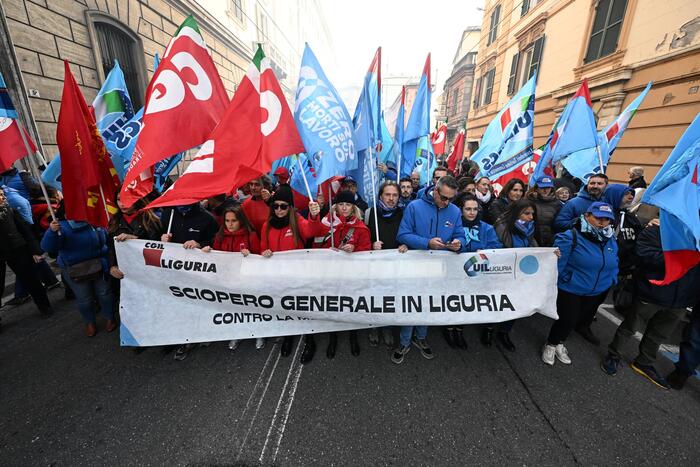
column 345, row 196
column 284, row 194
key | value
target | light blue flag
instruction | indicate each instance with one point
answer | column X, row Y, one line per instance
column 365, row 175
column 574, row 131
column 7, row 110
column 51, row 175
column 323, row 121
column 389, row 146
column 121, row 145
column 418, row 124
column 112, row 104
column 426, row 161
column 585, row 163
column 507, row 141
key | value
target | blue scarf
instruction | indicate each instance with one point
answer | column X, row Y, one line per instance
column 525, row 228
column 600, row 235
column 384, row 210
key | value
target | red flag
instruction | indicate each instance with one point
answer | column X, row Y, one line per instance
column 11, row 146
column 257, row 129
column 86, row 169
column 184, row 102
column 439, row 140
column 457, row 151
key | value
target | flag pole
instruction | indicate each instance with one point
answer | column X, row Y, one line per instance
column 306, row 182
column 600, row 159
column 170, row 222
column 330, row 211
column 104, row 201
column 398, row 171
column 374, row 194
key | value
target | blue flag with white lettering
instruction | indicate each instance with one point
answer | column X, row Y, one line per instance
column 418, row 125
column 323, row 121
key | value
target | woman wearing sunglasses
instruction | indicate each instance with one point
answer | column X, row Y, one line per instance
column 349, row 234
column 286, row 230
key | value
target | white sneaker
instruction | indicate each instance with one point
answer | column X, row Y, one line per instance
column 233, row 344
column 259, row 343
column 562, row 354
column 548, row 354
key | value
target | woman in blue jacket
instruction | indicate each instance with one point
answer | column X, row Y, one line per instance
column 588, row 267
column 480, row 236
column 82, row 256
column 515, row 228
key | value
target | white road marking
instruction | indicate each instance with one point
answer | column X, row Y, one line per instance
column 277, row 432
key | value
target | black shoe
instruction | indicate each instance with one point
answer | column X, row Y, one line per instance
column 46, row 312
column 676, row 380
column 286, row 348
column 53, row 285
column 332, row 343
column 18, row 301
column 487, row 337
column 354, row 345
column 587, row 334
column 459, row 339
column 448, row 334
column 69, row 294
column 309, row 350
column 505, row 341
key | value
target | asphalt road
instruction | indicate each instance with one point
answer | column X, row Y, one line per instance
column 72, row 400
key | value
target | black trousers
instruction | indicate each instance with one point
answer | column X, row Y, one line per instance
column 22, row 264
column 571, row 310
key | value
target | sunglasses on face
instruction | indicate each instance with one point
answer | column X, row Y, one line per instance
column 280, row 206
column 444, row 198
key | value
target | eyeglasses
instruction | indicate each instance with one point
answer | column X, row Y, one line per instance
column 280, row 206
column 444, row 198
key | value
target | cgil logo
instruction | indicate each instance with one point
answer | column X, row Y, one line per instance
column 153, row 256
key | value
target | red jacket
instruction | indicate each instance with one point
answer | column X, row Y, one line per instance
column 359, row 237
column 283, row 239
column 232, row 241
column 257, row 211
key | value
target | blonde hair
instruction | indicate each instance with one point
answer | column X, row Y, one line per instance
column 356, row 212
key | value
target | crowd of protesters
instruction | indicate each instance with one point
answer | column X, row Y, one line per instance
column 604, row 246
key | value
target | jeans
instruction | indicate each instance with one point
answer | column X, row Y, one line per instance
column 572, row 309
column 87, row 292
column 690, row 346
column 660, row 323
column 45, row 273
column 407, row 331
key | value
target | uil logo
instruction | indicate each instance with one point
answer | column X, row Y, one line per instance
column 476, row 264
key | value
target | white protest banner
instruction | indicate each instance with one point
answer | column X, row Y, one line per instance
column 172, row 295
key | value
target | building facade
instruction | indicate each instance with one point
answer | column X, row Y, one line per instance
column 618, row 45
column 457, row 90
column 37, row 35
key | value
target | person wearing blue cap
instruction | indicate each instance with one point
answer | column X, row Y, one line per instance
column 588, row 267
column 547, row 206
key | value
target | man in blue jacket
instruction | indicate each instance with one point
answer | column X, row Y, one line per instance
column 431, row 222
column 572, row 210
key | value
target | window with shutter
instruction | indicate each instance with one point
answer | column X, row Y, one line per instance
column 488, row 87
column 525, row 8
column 605, row 31
column 477, row 93
column 536, row 57
column 493, row 29
column 115, row 44
column 513, row 77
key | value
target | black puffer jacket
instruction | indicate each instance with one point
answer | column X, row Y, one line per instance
column 547, row 210
column 388, row 228
column 679, row 294
column 196, row 224
column 15, row 234
column 497, row 208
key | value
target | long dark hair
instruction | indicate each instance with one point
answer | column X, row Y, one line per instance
column 237, row 210
column 509, row 186
column 292, row 220
column 512, row 213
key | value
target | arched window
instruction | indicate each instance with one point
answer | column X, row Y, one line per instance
column 114, row 41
